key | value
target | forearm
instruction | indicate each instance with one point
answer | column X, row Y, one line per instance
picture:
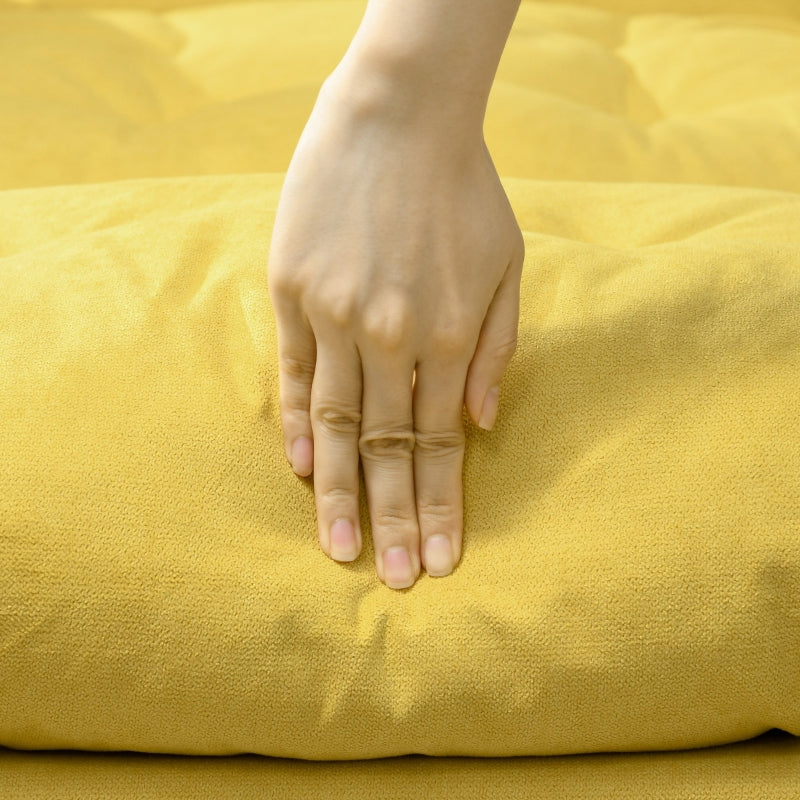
column 437, row 55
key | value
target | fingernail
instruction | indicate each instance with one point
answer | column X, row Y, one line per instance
column 397, row 569
column 302, row 455
column 489, row 412
column 438, row 556
column 344, row 546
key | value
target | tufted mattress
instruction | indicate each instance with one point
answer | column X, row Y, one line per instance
column 625, row 619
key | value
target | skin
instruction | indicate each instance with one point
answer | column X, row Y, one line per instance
column 394, row 273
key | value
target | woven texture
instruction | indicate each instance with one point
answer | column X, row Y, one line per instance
column 631, row 565
column 768, row 766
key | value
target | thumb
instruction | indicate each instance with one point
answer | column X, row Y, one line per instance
column 496, row 345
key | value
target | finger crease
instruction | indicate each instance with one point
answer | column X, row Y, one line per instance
column 386, row 444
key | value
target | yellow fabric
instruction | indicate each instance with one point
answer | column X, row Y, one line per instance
column 631, row 561
column 582, row 93
column 768, row 766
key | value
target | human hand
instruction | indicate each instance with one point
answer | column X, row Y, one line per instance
column 394, row 273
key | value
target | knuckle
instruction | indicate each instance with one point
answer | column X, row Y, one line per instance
column 440, row 444
column 297, row 369
column 337, row 496
column 293, row 405
column 389, row 324
column 341, row 311
column 520, row 249
column 504, row 348
column 452, row 337
column 389, row 516
column 341, row 421
column 281, row 281
column 382, row 445
column 435, row 509
column 335, row 304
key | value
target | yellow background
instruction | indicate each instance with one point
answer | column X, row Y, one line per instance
column 631, row 562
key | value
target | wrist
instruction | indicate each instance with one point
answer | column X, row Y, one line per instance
column 404, row 90
column 428, row 57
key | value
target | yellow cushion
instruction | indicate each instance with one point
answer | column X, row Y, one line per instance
column 631, row 561
column 768, row 766
column 632, row 550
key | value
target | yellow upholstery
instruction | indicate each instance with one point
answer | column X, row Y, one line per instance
column 631, row 561
column 768, row 766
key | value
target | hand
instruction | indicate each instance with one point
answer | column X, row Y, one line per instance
column 394, row 273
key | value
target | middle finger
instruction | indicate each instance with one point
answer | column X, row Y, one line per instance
column 386, row 446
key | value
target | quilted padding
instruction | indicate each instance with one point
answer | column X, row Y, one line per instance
column 631, row 567
column 594, row 92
